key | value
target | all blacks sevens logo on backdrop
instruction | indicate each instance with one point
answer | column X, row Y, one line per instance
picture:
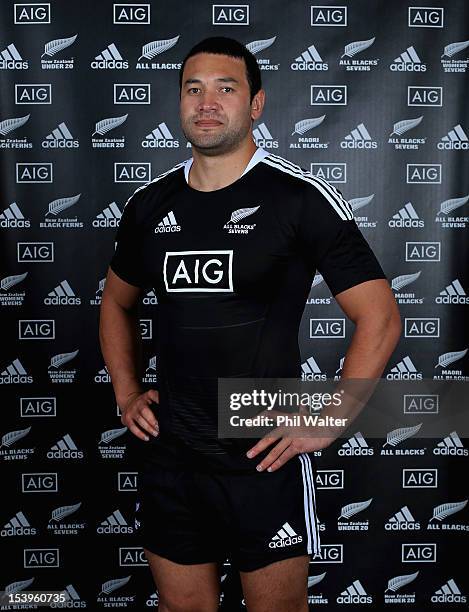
column 187, row 271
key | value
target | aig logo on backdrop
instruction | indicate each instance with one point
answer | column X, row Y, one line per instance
column 328, row 15
column 425, row 17
column 230, row 14
column 189, row 271
column 335, row 95
column 37, row 93
column 132, row 93
column 32, row 14
column 131, row 14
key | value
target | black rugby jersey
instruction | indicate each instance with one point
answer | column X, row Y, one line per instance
column 231, row 269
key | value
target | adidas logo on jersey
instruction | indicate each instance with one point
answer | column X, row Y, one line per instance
column 408, row 61
column 402, row 521
column 285, row 536
column 233, row 227
column 455, row 139
column 10, row 58
column 453, row 294
column 109, row 217
column 109, row 58
column 168, row 224
column 13, row 217
column 309, row 60
column 406, row 217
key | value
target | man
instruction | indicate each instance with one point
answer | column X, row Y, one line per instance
column 230, row 241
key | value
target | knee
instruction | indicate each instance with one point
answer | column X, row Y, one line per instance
column 189, row 602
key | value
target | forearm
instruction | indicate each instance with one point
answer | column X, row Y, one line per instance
column 372, row 344
column 121, row 348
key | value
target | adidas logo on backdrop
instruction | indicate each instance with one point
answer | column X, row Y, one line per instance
column 10, row 58
column 13, row 217
column 109, row 58
column 109, row 217
column 309, row 60
column 408, row 61
column 453, row 294
column 160, row 138
column 406, row 217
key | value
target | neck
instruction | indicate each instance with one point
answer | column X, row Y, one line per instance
column 209, row 173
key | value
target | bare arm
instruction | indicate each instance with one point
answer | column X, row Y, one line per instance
column 121, row 347
column 372, row 307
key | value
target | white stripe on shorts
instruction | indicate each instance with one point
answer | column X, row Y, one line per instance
column 309, row 498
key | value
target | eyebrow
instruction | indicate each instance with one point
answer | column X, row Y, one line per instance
column 219, row 79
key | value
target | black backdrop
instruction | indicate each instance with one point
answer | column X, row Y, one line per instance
column 369, row 95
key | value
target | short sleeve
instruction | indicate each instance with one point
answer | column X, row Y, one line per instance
column 334, row 245
column 127, row 261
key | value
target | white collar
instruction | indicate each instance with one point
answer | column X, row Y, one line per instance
column 259, row 154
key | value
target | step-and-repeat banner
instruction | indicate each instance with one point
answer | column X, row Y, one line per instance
column 370, row 95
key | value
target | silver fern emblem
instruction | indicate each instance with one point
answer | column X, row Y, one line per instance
column 444, row 510
column 399, row 581
column 256, row 46
column 307, row 124
column 57, row 206
column 317, row 280
column 13, row 436
column 351, row 509
column 401, row 127
column 8, row 125
column 357, row 203
column 312, row 580
column 54, row 46
column 398, row 435
column 14, row 587
column 156, row 47
column 111, row 434
column 58, row 360
column 113, row 585
column 59, row 513
column 101, row 284
column 447, row 358
column 11, row 281
column 241, row 213
column 449, row 205
column 106, row 125
column 355, row 47
column 152, row 364
column 405, row 279
column 454, row 48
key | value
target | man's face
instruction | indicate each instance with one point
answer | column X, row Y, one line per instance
column 215, row 109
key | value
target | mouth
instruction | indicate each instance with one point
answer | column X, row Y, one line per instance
column 207, row 123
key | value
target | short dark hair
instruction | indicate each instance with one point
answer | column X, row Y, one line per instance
column 222, row 45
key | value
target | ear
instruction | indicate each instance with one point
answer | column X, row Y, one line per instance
column 257, row 104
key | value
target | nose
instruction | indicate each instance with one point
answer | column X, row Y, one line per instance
column 208, row 102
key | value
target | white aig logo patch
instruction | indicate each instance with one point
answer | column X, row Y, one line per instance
column 234, row 227
column 188, row 271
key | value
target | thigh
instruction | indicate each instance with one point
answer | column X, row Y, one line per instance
column 182, row 588
column 279, row 586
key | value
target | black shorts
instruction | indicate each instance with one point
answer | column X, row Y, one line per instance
column 250, row 519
